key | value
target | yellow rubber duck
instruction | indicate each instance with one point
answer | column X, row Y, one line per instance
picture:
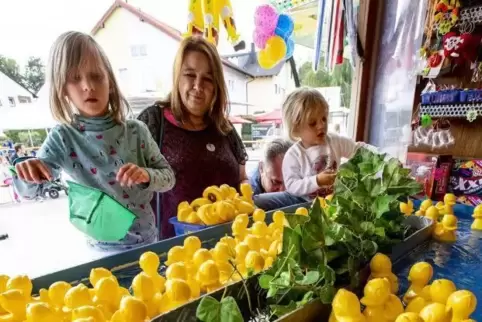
column 57, row 293
column 432, row 213
column 130, row 310
column 76, row 297
column 450, row 199
column 477, row 215
column 22, row 283
column 41, row 312
column 441, row 289
column 406, row 208
column 419, row 276
column 89, row 313
column 416, row 305
column 440, row 207
column 149, row 262
column 425, row 204
column 376, row 292
column 434, row 312
column 445, row 231
column 409, row 317
column 14, row 303
column 461, row 304
column 346, row 307
column 381, row 267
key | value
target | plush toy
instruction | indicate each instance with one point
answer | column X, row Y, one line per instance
column 203, row 19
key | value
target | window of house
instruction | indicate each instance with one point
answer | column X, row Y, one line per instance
column 11, row 101
column 231, row 84
column 24, row 99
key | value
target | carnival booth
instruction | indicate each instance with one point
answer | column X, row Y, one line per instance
column 391, row 243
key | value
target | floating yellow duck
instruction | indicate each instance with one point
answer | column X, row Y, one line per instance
column 441, row 289
column 477, row 215
column 417, row 304
column 409, row 317
column 406, row 208
column 381, row 266
column 131, row 310
column 423, row 207
column 432, row 213
column 14, row 303
column 445, row 231
column 461, row 304
column 41, row 312
column 346, row 307
column 380, row 303
column 149, row 262
column 449, row 201
column 419, row 276
column 435, row 312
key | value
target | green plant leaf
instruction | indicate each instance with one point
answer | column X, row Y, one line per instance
column 313, row 237
column 272, row 291
column 368, row 227
column 291, row 243
column 296, row 220
column 380, row 231
column 230, row 311
column 381, row 205
column 280, row 310
column 326, row 293
column 310, row 278
column 209, row 309
column 265, row 280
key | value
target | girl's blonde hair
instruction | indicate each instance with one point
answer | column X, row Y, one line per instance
column 299, row 107
column 218, row 113
column 73, row 50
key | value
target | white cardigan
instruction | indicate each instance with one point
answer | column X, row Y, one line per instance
column 300, row 165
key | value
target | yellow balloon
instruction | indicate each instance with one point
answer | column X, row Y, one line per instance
column 264, row 60
column 276, row 48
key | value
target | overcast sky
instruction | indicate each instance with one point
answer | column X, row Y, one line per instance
column 29, row 27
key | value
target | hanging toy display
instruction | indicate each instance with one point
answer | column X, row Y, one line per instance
column 283, row 5
column 272, row 36
column 203, row 19
column 447, row 13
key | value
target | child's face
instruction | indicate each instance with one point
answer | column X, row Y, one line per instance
column 88, row 89
column 313, row 131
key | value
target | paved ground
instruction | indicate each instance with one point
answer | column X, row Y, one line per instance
column 41, row 239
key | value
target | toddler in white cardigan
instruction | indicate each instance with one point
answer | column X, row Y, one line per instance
column 309, row 166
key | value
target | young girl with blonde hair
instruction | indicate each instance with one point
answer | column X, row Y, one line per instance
column 95, row 144
column 309, row 166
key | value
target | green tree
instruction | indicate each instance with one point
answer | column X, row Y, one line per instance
column 38, row 137
column 341, row 76
column 32, row 79
column 34, row 74
column 9, row 67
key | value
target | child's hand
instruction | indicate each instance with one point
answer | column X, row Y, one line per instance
column 131, row 174
column 325, row 178
column 33, row 170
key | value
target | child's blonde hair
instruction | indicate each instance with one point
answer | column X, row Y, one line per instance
column 72, row 50
column 299, row 107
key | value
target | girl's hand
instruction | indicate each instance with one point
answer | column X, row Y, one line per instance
column 33, row 170
column 131, row 174
column 325, row 178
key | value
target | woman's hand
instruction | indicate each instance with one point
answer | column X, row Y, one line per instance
column 131, row 174
column 33, row 170
column 325, row 178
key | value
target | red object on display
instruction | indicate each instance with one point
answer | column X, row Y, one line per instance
column 273, row 116
column 238, row 120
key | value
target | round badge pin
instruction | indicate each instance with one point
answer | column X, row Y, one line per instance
column 210, row 147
